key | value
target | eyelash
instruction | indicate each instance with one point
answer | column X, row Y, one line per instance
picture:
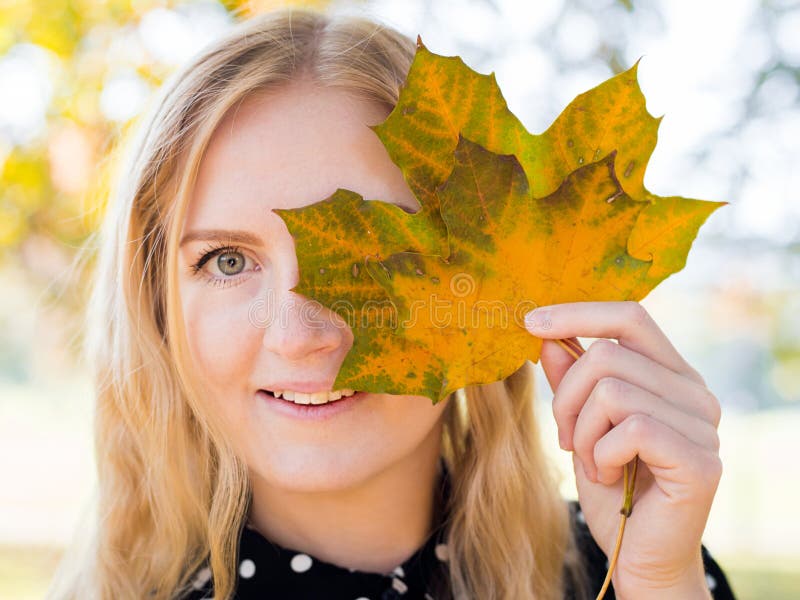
column 207, row 254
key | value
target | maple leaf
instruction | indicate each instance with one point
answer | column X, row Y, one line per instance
column 441, row 102
column 442, row 98
column 510, row 252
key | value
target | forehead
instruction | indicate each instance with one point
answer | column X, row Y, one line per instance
column 288, row 148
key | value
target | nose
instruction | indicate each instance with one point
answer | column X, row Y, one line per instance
column 297, row 326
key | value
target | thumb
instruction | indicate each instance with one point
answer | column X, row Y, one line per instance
column 556, row 360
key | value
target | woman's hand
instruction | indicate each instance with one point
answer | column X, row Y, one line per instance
column 635, row 397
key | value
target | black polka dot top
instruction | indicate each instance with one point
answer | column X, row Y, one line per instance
column 269, row 571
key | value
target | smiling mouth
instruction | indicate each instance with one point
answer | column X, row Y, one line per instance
column 315, row 398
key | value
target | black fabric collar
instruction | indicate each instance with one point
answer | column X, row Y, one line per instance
column 268, row 570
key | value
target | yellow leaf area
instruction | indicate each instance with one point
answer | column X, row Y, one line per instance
column 509, row 252
column 568, row 204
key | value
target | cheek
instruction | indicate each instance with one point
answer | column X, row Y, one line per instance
column 412, row 418
column 222, row 340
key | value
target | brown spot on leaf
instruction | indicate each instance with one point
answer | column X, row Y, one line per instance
column 629, row 169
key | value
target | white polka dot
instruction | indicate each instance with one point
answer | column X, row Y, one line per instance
column 399, row 585
column 202, row 577
column 399, row 571
column 428, row 597
column 247, row 568
column 607, row 564
column 580, row 516
column 301, row 563
column 710, row 581
column 441, row 551
column 362, row 598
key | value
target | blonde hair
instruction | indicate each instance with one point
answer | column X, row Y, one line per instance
column 172, row 495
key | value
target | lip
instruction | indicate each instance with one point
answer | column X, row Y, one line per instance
column 309, row 387
column 311, row 412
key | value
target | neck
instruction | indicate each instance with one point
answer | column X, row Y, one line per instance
column 373, row 527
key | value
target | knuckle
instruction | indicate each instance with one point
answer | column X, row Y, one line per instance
column 708, row 437
column 638, row 425
column 635, row 313
column 716, row 466
column 705, row 467
column 715, row 441
column 709, row 406
column 698, row 377
column 601, row 351
column 713, row 407
column 609, row 389
column 710, row 469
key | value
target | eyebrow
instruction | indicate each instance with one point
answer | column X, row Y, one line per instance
column 228, row 235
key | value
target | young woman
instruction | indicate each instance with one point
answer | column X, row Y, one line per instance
column 208, row 487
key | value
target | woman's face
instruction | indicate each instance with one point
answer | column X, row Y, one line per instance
column 287, row 149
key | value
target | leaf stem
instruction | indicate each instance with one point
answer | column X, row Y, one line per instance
column 574, row 349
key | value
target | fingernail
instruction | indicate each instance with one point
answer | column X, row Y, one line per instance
column 589, row 473
column 538, row 319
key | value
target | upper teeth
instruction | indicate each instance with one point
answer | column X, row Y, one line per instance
column 313, row 398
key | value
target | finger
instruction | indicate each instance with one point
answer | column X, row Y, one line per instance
column 556, row 360
column 604, row 358
column 628, row 322
column 670, row 456
column 613, row 400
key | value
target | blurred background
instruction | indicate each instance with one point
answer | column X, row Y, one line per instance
column 74, row 75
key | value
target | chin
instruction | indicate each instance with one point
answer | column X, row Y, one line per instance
column 310, row 472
